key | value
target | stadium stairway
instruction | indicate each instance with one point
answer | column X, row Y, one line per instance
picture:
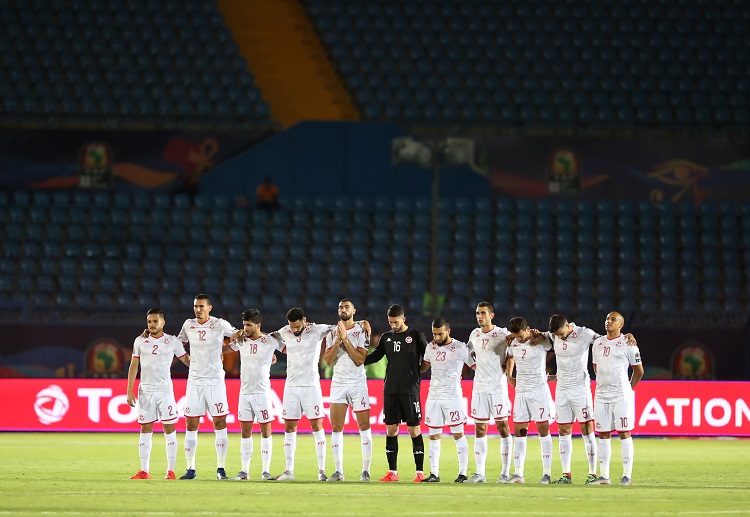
column 288, row 60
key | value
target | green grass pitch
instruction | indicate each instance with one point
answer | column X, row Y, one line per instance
column 88, row 474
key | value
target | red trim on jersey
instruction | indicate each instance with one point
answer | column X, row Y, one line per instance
column 171, row 420
column 283, row 350
column 311, row 419
column 425, row 361
column 296, row 419
column 541, row 421
column 446, row 425
column 481, row 419
column 179, row 356
column 611, row 338
column 612, row 431
column 565, row 423
column 526, row 422
column 251, row 421
column 586, row 421
column 147, row 423
column 491, row 330
column 349, row 328
column 361, row 410
column 217, row 416
column 136, row 356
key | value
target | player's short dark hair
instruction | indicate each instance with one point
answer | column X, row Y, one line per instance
column 395, row 310
column 488, row 305
column 252, row 315
column 517, row 324
column 156, row 310
column 441, row 322
column 203, row 296
column 347, row 300
column 295, row 314
column 556, row 322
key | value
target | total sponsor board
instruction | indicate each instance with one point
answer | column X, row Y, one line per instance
column 682, row 408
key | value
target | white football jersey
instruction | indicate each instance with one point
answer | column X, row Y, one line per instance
column 302, row 353
column 155, row 356
column 612, row 358
column 572, row 356
column 206, row 343
column 345, row 372
column 255, row 362
column 531, row 364
column 489, row 348
column 446, row 364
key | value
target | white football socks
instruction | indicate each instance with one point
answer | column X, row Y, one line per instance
column 222, row 443
column 365, row 438
column 591, row 455
column 171, row 446
column 290, row 446
column 246, row 453
column 605, row 453
column 266, row 450
column 628, row 451
column 144, row 450
column 191, row 444
column 480, row 454
column 320, row 448
column 506, row 446
column 566, row 451
column 434, row 452
column 519, row 454
column 546, row 446
column 337, row 448
column 462, row 449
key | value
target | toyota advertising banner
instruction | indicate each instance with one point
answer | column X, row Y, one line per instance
column 677, row 408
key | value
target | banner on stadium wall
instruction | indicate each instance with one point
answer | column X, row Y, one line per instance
column 116, row 159
column 679, row 408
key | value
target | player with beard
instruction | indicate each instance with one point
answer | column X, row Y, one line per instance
column 446, row 357
column 346, row 350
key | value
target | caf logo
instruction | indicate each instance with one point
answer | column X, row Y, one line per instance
column 51, row 404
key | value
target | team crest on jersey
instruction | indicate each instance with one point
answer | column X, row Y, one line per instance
column 263, row 339
column 494, row 334
column 211, row 326
column 574, row 334
column 166, row 341
column 408, row 339
column 453, row 348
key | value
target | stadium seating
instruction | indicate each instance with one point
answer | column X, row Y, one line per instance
column 108, row 276
column 588, row 63
column 84, row 62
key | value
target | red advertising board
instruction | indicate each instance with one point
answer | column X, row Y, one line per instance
column 679, row 408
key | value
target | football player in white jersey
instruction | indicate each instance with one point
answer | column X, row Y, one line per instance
column 346, row 350
column 205, row 385
column 303, row 346
column 155, row 354
column 445, row 403
column 489, row 397
column 573, row 400
column 533, row 400
column 256, row 357
column 614, row 407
